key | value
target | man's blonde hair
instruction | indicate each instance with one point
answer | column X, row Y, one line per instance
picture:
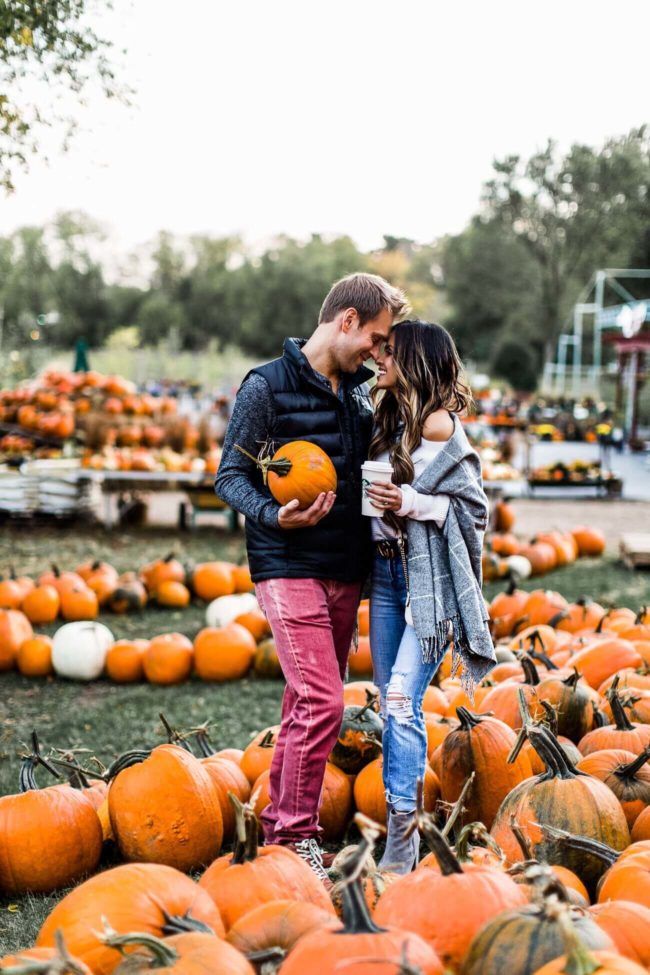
column 369, row 294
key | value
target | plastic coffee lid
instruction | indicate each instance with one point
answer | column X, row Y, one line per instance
column 380, row 466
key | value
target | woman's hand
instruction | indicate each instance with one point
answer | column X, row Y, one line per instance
column 386, row 496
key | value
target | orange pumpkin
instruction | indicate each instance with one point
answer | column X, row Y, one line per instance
column 168, row 569
column 168, row 659
column 34, row 657
column 628, row 925
column 242, row 576
column 125, row 661
column 360, row 659
column 79, row 603
column 213, row 579
column 602, row 658
column 11, row 594
column 132, row 897
column 166, row 809
column 223, row 653
column 41, row 604
column 277, row 924
column 256, row 623
column 590, row 541
column 258, row 755
column 171, row 593
column 298, row 470
column 15, row 628
column 249, row 877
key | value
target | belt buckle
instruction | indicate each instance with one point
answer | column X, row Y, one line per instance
column 385, row 549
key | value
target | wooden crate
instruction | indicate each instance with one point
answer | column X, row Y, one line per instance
column 635, row 550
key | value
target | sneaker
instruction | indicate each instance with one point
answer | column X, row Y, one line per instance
column 311, row 853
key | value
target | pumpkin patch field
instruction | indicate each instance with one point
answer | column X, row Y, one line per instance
column 132, row 775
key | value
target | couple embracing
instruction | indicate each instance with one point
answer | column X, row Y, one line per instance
column 421, row 552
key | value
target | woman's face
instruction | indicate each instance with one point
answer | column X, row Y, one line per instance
column 386, row 375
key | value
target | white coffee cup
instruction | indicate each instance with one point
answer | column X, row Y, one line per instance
column 373, row 470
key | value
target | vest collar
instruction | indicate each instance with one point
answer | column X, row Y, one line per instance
column 293, row 351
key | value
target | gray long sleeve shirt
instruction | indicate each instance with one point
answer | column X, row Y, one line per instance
column 250, row 426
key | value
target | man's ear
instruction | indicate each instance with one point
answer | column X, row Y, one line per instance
column 349, row 318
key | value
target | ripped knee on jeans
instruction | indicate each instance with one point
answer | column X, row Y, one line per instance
column 398, row 704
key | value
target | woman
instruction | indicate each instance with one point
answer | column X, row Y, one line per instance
column 426, row 581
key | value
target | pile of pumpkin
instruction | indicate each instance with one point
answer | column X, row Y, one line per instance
column 80, row 594
column 53, row 404
column 236, row 638
column 506, row 556
column 535, row 808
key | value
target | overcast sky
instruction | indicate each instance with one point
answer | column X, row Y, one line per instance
column 358, row 117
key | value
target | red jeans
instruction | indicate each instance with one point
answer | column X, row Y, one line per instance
column 312, row 622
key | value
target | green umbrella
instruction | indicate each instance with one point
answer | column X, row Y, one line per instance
column 81, row 356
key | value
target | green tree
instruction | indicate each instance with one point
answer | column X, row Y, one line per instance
column 209, row 291
column 573, row 213
column 493, row 287
column 280, row 294
column 48, row 51
column 514, row 361
column 26, row 286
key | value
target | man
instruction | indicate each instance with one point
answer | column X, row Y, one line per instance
column 308, row 566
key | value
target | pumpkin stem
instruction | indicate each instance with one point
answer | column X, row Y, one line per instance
column 542, row 658
column 174, row 737
column 522, row 734
column 203, row 742
column 126, row 760
column 245, row 848
column 583, row 843
column 468, row 719
column 162, row 954
column 475, row 834
column 621, row 719
column 356, row 915
column 629, row 771
column 180, row 923
column 78, row 776
column 282, row 466
column 550, row 716
column 640, row 616
column 554, row 620
column 599, row 625
column 548, row 748
column 458, row 807
column 29, row 763
column 531, row 674
column 267, row 740
column 369, row 705
column 62, row 964
column 435, row 840
column 579, row 961
column 572, row 679
column 521, row 837
column 600, row 719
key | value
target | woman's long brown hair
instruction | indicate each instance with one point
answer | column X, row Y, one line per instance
column 429, row 378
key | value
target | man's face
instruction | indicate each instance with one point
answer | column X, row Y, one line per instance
column 357, row 344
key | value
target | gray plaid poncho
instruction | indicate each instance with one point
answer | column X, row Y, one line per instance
column 444, row 565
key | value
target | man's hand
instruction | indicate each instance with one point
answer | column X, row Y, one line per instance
column 290, row 517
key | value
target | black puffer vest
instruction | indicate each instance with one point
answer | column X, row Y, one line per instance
column 339, row 546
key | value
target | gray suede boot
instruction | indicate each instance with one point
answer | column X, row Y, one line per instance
column 402, row 853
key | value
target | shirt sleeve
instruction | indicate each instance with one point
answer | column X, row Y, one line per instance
column 250, row 426
column 423, row 507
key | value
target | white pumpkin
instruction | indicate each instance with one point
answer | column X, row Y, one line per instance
column 79, row 649
column 225, row 609
column 519, row 566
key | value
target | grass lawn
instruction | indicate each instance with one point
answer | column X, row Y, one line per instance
column 107, row 718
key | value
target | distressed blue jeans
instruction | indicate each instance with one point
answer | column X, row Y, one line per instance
column 402, row 679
